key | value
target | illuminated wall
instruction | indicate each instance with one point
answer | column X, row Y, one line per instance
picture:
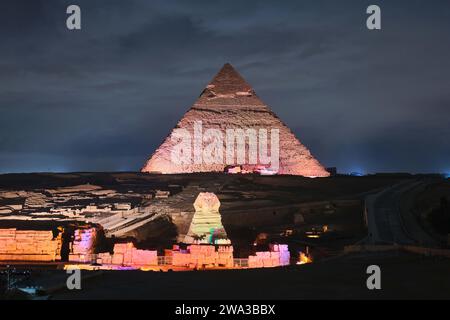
column 29, row 245
column 198, row 256
column 127, row 255
column 277, row 256
column 82, row 247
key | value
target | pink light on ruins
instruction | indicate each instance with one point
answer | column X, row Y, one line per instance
column 82, row 247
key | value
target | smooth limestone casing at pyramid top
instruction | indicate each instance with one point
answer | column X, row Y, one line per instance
column 229, row 102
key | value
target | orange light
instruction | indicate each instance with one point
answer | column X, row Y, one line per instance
column 304, row 259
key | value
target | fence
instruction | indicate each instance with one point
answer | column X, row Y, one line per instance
column 240, row 262
column 164, row 260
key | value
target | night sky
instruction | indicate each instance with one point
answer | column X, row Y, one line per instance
column 103, row 98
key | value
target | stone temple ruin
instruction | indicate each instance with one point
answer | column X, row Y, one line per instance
column 205, row 246
column 29, row 245
column 229, row 102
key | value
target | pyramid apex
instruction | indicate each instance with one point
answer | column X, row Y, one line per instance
column 228, row 65
column 228, row 69
column 228, row 81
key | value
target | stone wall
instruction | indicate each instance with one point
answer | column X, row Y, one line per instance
column 126, row 254
column 29, row 245
column 198, row 256
column 83, row 245
column 277, row 256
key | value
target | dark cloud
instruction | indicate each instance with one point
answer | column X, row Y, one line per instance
column 104, row 98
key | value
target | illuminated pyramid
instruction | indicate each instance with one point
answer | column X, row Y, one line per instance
column 229, row 102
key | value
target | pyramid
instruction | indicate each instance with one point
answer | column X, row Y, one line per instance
column 229, row 102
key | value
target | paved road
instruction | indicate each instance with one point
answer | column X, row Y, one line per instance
column 385, row 221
